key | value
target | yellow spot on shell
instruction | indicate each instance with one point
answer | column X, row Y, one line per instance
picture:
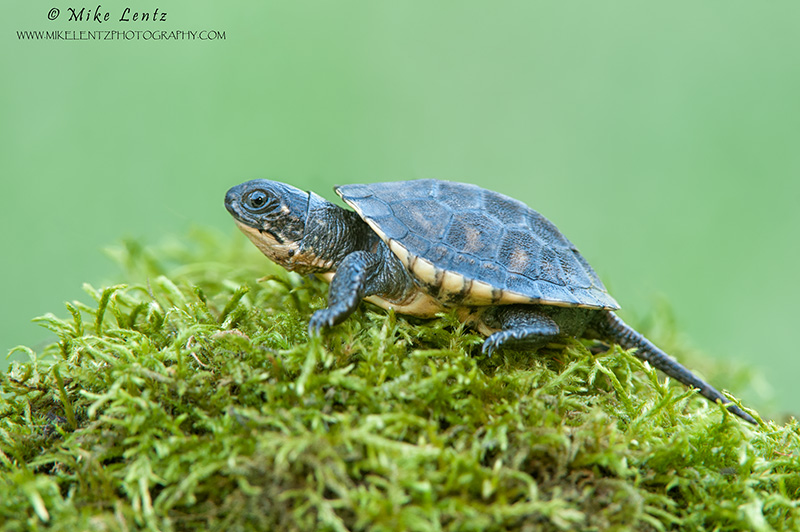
column 519, row 260
column 473, row 243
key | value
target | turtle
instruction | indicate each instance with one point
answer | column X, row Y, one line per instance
column 424, row 246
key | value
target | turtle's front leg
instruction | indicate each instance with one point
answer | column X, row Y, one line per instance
column 361, row 274
column 348, row 288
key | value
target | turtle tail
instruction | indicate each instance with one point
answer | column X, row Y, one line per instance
column 611, row 328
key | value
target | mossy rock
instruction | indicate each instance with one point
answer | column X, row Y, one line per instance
column 191, row 398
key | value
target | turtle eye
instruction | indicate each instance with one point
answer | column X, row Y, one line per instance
column 258, row 201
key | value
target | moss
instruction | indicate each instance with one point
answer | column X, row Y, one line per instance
column 191, row 398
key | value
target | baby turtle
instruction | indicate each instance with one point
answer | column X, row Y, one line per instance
column 420, row 247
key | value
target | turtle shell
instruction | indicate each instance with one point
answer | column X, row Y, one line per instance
column 470, row 246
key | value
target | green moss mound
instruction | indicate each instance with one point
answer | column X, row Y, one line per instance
column 191, row 398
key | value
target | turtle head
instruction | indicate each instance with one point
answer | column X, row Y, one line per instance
column 274, row 216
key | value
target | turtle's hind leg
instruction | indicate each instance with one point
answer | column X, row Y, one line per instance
column 531, row 330
column 531, row 326
column 611, row 328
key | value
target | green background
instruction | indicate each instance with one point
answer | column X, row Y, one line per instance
column 661, row 139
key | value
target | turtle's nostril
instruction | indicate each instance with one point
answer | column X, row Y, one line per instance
column 230, row 199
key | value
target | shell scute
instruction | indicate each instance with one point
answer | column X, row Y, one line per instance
column 419, row 244
column 392, row 227
column 474, row 233
column 554, row 292
column 550, row 267
column 520, row 252
column 507, row 213
column 523, row 285
column 423, row 216
column 492, row 273
column 377, row 208
column 440, row 254
column 452, row 195
column 574, row 272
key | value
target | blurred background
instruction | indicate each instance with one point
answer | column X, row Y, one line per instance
column 661, row 139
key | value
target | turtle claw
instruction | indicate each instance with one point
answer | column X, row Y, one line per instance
column 528, row 337
column 496, row 341
column 321, row 319
column 490, row 345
